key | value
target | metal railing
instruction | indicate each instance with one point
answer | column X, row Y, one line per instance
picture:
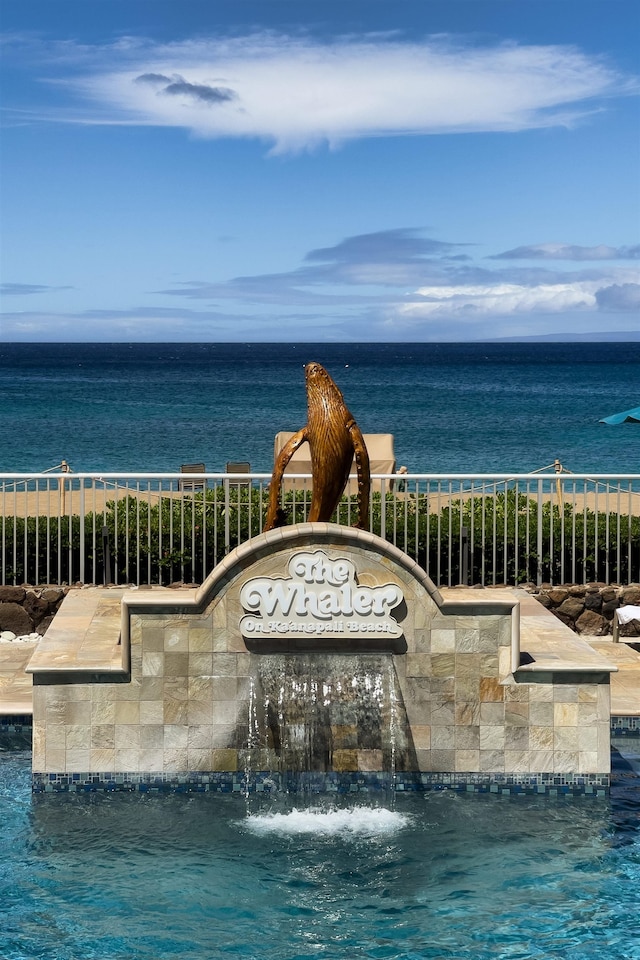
column 175, row 527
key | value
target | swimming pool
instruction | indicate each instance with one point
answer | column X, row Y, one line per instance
column 442, row 875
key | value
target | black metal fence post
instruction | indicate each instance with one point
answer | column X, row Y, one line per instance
column 106, row 556
column 464, row 556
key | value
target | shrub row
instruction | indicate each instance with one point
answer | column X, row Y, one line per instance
column 182, row 540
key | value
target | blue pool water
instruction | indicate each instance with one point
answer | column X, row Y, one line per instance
column 441, row 875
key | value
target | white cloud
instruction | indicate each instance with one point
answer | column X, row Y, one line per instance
column 506, row 299
column 297, row 93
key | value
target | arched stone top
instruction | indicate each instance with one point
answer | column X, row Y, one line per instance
column 306, row 534
column 263, row 546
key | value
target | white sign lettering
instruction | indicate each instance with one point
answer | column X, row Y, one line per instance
column 320, row 596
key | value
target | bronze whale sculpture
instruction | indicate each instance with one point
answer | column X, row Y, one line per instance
column 334, row 439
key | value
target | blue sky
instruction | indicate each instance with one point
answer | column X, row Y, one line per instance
column 196, row 170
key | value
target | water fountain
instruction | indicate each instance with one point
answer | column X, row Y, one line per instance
column 327, row 714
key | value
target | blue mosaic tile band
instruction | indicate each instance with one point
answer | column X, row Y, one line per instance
column 543, row 784
column 625, row 726
column 16, row 732
column 16, row 723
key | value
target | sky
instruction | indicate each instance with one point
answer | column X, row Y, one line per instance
column 291, row 170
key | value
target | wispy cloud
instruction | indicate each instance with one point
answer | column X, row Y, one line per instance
column 298, row 92
column 387, row 284
column 568, row 251
column 403, row 244
column 27, row 289
column 384, row 259
column 172, row 325
column 399, row 272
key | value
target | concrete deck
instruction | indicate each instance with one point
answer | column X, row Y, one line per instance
column 84, row 638
column 625, row 684
column 15, row 684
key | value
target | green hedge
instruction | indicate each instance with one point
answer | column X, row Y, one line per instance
column 182, row 540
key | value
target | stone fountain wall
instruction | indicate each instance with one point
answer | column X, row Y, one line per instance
column 175, row 710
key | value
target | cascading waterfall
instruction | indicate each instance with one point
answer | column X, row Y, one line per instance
column 325, row 723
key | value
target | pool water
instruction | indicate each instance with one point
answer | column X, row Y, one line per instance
column 440, row 875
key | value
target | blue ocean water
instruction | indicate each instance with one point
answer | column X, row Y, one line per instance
column 452, row 407
column 120, row 876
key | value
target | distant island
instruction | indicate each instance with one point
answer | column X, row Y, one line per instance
column 623, row 336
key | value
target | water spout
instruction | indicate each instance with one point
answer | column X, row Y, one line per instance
column 326, row 722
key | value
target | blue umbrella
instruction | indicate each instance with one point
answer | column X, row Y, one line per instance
column 629, row 416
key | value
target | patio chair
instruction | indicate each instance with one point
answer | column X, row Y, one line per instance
column 192, row 484
column 240, row 466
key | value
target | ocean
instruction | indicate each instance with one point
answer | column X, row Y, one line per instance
column 452, row 408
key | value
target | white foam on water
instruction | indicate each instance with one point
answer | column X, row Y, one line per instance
column 356, row 821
